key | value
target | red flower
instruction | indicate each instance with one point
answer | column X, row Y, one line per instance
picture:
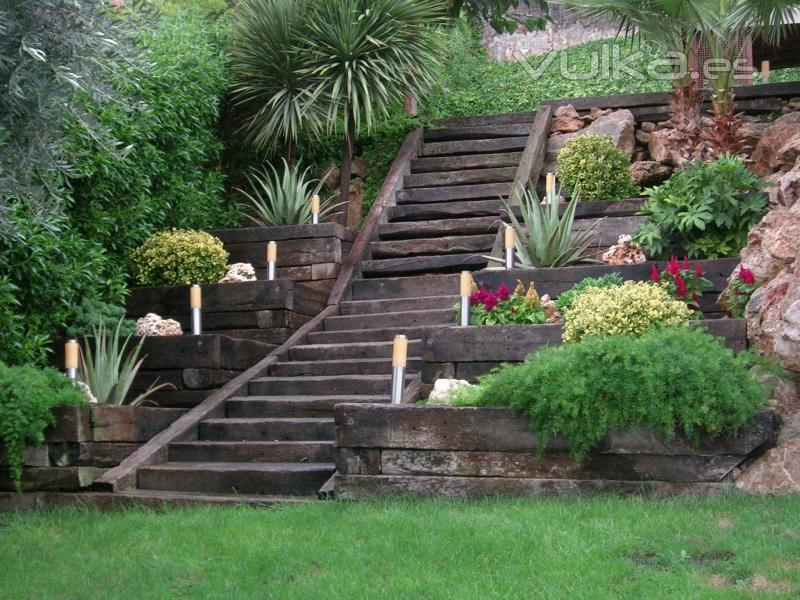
column 503, row 293
column 698, row 271
column 491, row 302
column 672, row 266
column 654, row 276
column 680, row 286
column 685, row 265
column 747, row 276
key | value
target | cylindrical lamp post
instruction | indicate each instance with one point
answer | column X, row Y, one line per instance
column 196, row 304
column 315, row 209
column 466, row 292
column 272, row 257
column 510, row 245
column 71, row 359
column 764, row 71
column 399, row 358
column 550, row 188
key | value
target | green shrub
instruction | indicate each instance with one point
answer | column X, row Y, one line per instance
column 565, row 300
column 635, row 307
column 704, row 211
column 596, row 168
column 675, row 380
column 92, row 313
column 501, row 307
column 180, row 257
column 27, row 397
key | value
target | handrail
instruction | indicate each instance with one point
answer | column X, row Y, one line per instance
column 530, row 165
column 401, row 166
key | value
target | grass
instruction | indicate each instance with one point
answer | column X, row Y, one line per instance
column 727, row 548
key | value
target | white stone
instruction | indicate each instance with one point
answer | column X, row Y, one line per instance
column 444, row 390
column 238, row 272
column 153, row 325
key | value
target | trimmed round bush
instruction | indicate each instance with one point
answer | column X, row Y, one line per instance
column 594, row 168
column 180, row 257
column 635, row 307
column 673, row 380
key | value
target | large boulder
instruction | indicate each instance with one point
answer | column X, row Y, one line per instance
column 773, row 244
column 566, row 120
column 778, row 146
column 777, row 472
column 785, row 187
column 648, row 173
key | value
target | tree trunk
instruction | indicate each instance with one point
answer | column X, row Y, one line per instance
column 347, row 167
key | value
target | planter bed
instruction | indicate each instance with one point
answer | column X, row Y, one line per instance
column 309, row 253
column 195, row 365
column 468, row 352
column 384, row 450
column 87, row 440
column 264, row 311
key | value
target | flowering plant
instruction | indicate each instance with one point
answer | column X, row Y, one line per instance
column 682, row 282
column 738, row 292
column 501, row 307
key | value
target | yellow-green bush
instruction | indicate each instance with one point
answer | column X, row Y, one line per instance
column 634, row 308
column 593, row 167
column 180, row 257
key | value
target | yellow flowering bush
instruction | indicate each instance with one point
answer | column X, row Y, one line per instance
column 634, row 308
column 596, row 168
column 180, row 257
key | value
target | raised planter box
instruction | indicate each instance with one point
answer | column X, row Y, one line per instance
column 85, row 441
column 468, row 352
column 309, row 253
column 384, row 450
column 194, row 364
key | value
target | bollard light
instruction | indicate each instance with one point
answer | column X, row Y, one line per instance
column 550, row 188
column 399, row 359
column 764, row 71
column 315, row 209
column 71, row 359
column 196, row 304
column 510, row 245
column 272, row 257
column 466, row 292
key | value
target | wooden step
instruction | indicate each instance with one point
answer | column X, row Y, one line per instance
column 158, row 499
column 350, row 366
column 454, row 244
column 465, row 161
column 477, row 132
column 240, row 478
column 475, row 146
column 350, row 351
column 247, row 452
column 292, row 429
column 445, row 210
column 441, row 227
column 322, row 385
column 496, row 119
column 373, row 335
column 394, row 319
column 446, row 263
column 492, row 191
column 388, row 305
column 405, row 287
column 247, row 407
column 490, row 175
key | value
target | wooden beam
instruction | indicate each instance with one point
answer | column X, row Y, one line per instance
column 530, row 165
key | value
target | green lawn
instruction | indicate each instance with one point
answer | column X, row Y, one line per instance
column 732, row 547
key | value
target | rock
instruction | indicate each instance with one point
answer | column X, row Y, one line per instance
column 595, row 113
column 773, row 244
column 783, row 397
column 152, row 324
column 619, row 125
column 238, row 272
column 786, row 187
column 359, row 168
column 444, row 390
column 776, row 472
column 566, row 120
column 648, row 173
column 751, row 132
column 643, row 137
column 776, row 143
column 624, row 252
column 648, row 126
column 665, row 147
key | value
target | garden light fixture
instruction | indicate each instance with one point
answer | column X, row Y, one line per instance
column 315, row 209
column 510, row 244
column 399, row 359
column 466, row 292
column 272, row 256
column 71, row 358
column 196, row 304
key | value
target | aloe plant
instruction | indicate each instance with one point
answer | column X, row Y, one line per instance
column 545, row 237
column 284, row 199
column 109, row 370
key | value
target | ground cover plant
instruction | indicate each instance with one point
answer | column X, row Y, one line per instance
column 594, row 167
column 673, row 380
column 502, row 307
column 565, row 300
column 716, row 548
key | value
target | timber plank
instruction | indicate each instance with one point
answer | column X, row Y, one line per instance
column 437, row 210
column 423, row 264
column 414, row 318
column 476, row 132
column 456, row 192
column 245, row 235
column 291, row 253
column 474, row 146
column 440, row 227
column 530, row 165
column 497, row 119
column 439, row 245
column 442, row 178
column 465, row 161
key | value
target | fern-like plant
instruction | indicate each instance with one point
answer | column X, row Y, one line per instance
column 284, row 199
column 109, row 369
column 545, row 237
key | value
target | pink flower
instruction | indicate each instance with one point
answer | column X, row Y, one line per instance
column 503, row 293
column 672, row 266
column 491, row 302
column 747, row 276
column 698, row 271
column 680, row 286
column 654, row 275
column 685, row 265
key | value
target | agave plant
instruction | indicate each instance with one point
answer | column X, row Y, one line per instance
column 109, row 369
column 284, row 199
column 545, row 237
